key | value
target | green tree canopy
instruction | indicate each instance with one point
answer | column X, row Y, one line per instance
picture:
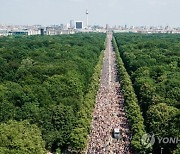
column 20, row 138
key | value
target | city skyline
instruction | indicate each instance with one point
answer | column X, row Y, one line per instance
column 112, row 12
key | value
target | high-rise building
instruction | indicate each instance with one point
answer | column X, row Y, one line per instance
column 107, row 26
column 72, row 25
column 79, row 24
column 87, row 20
column 42, row 31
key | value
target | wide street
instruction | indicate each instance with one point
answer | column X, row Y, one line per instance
column 109, row 111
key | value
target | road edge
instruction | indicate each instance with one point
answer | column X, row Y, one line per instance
column 132, row 108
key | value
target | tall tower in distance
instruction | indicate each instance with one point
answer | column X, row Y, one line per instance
column 87, row 24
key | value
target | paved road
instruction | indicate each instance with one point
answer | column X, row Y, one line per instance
column 109, row 110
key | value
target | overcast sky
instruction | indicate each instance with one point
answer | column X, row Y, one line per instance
column 112, row 12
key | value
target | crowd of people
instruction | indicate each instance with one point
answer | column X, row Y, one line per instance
column 109, row 112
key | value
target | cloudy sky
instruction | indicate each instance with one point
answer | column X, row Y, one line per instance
column 112, row 12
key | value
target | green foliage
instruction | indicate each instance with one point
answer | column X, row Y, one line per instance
column 57, row 123
column 79, row 135
column 177, row 151
column 152, row 62
column 132, row 108
column 159, row 117
column 58, row 151
column 163, row 120
column 78, row 140
column 45, row 80
column 21, row 138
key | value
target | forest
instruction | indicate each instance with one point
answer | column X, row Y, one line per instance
column 47, row 91
column 153, row 64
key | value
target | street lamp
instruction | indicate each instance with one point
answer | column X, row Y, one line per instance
column 161, row 150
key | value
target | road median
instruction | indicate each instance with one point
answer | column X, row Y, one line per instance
column 132, row 107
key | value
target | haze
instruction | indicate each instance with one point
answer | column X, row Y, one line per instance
column 101, row 12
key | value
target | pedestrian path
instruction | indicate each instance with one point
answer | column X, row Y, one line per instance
column 109, row 111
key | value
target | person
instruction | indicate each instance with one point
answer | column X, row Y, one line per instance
column 109, row 113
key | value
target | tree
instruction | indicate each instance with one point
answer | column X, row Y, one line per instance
column 57, row 123
column 7, row 109
column 20, row 138
column 78, row 139
column 158, row 118
column 44, row 79
column 161, row 123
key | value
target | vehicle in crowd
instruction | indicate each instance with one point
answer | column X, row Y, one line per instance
column 117, row 134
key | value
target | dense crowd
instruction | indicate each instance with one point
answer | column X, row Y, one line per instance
column 109, row 113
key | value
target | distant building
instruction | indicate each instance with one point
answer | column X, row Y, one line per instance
column 34, row 31
column 58, row 31
column 3, row 33
column 79, row 24
column 87, row 19
column 18, row 32
column 51, row 31
column 72, row 24
column 62, row 26
column 42, row 31
column 107, row 26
